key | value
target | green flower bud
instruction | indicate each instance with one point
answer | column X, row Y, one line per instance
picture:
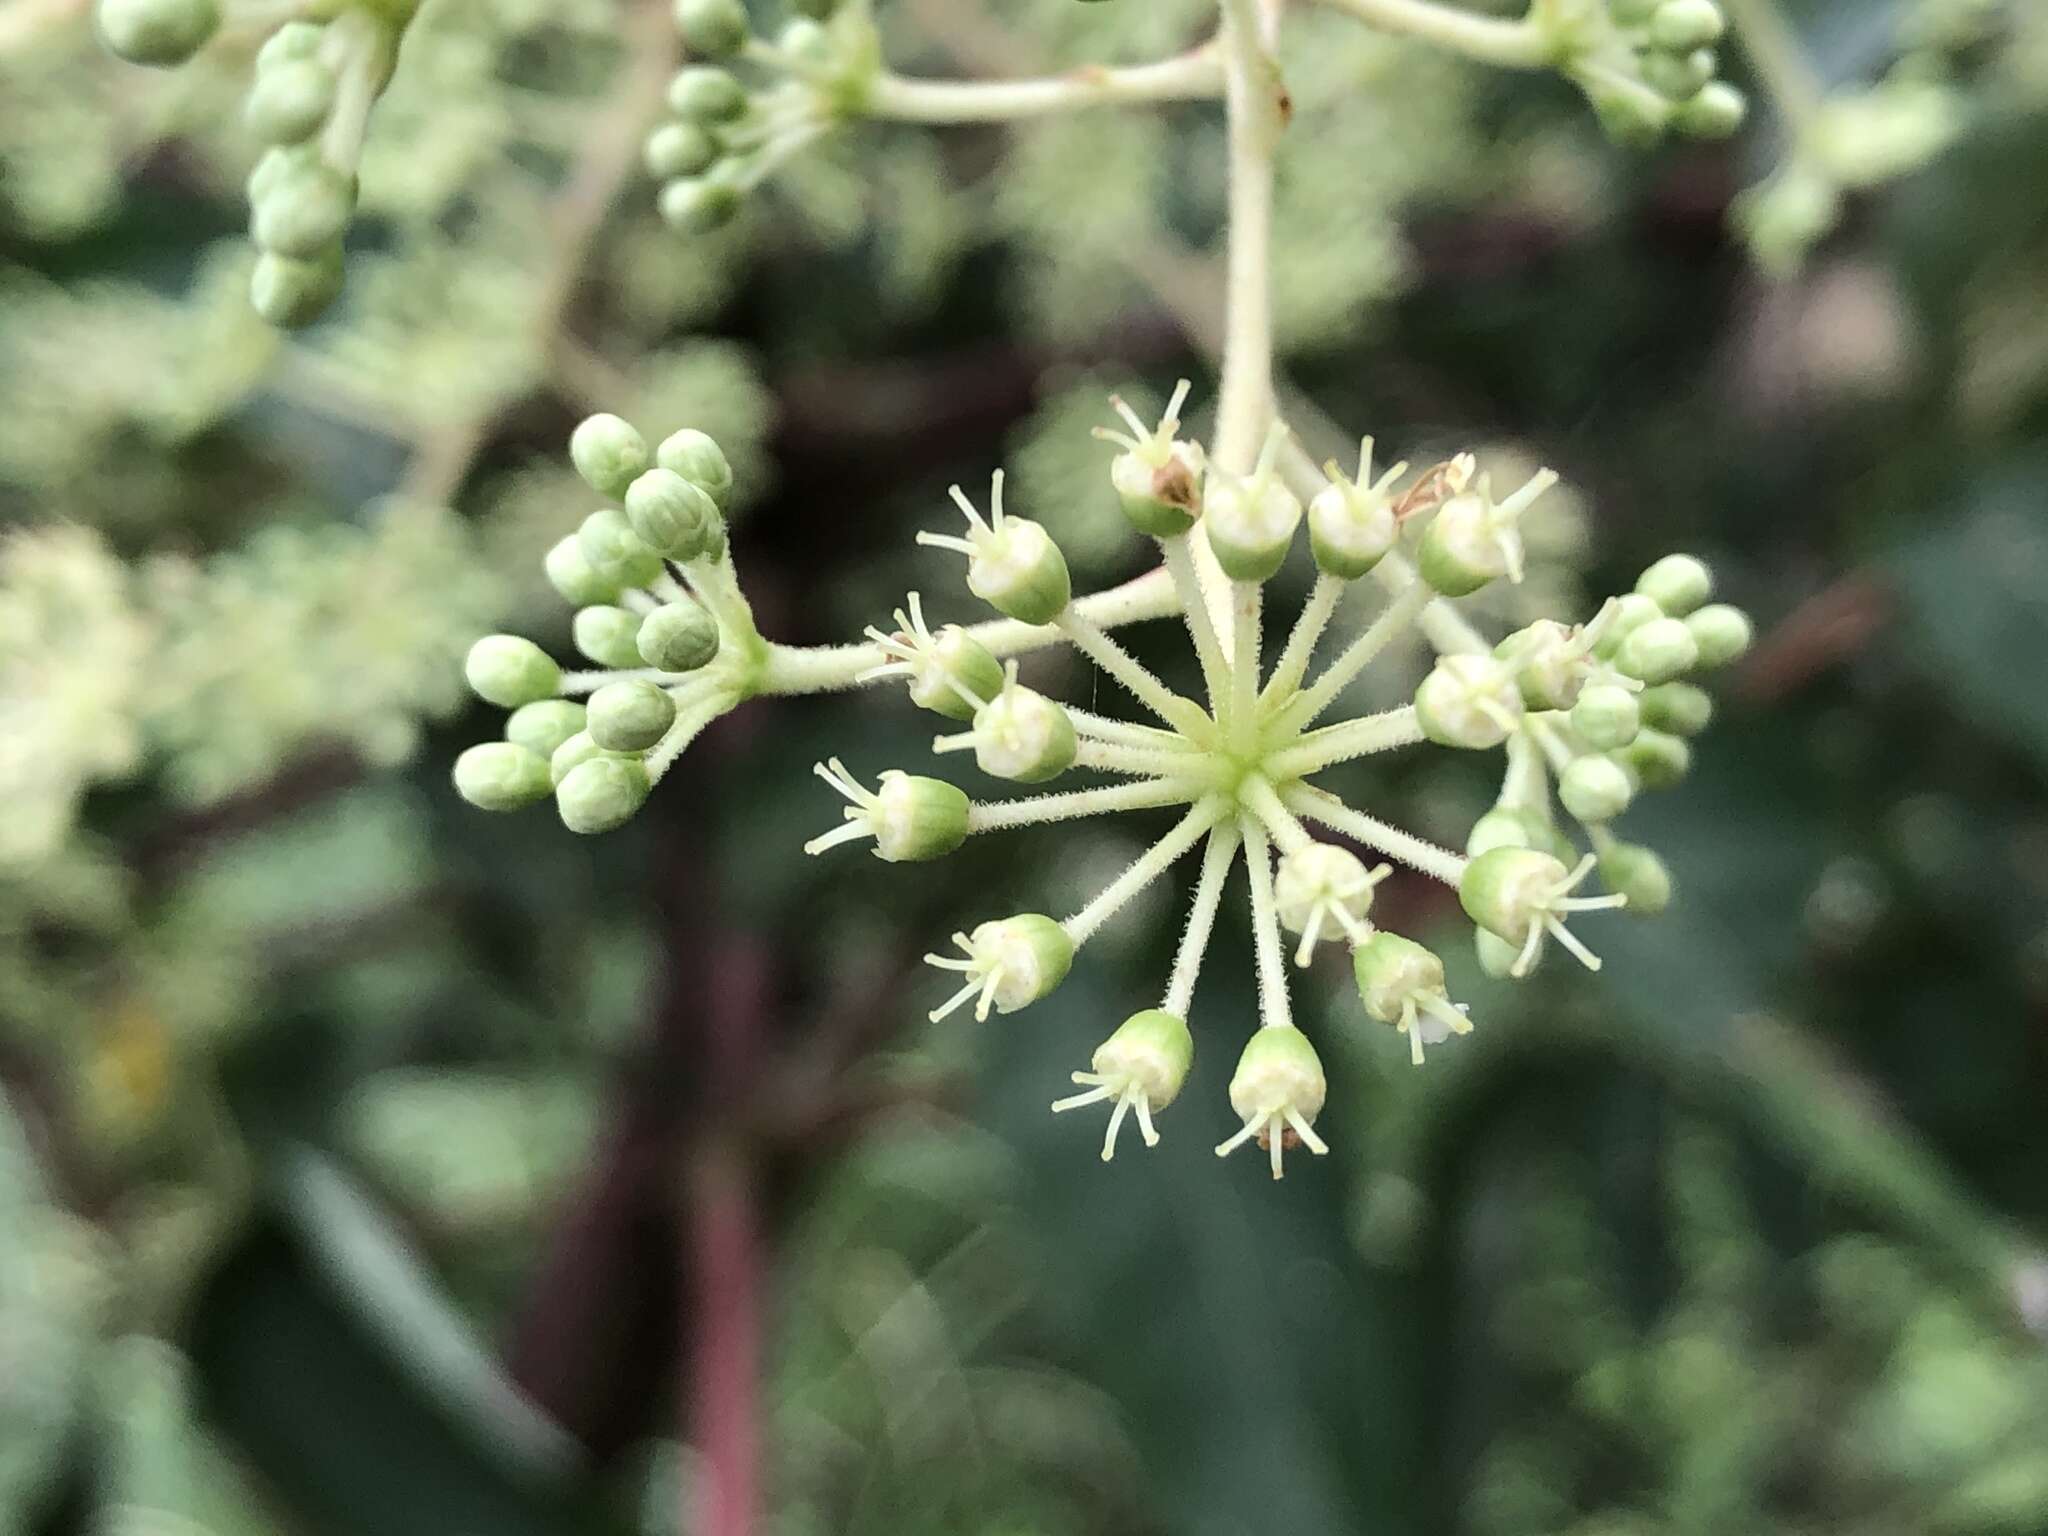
column 1620, row 618
column 573, row 753
column 509, row 670
column 1677, row 584
column 696, row 205
column 1011, row 962
column 679, row 149
column 1595, row 788
column 601, row 793
column 501, row 776
column 1715, row 112
column 1785, row 214
column 1658, row 651
column 542, row 727
column 274, row 165
column 630, row 716
column 1498, row 828
column 1679, row 708
column 1402, row 984
column 1250, row 526
column 1019, row 735
column 678, row 636
column 1523, row 896
column 805, row 41
column 1322, row 891
column 950, row 673
column 1153, row 1049
column 290, row 101
column 289, row 292
column 570, row 574
column 609, row 453
column 1679, row 76
column 1012, row 563
column 1496, row 955
column 1251, row 520
column 608, row 636
column 1606, row 716
column 705, row 94
column 1721, row 632
column 157, row 31
column 1157, row 478
column 1277, row 1091
column 699, row 460
column 1468, row 701
column 289, row 44
column 712, row 29
column 1680, row 25
column 616, row 552
column 305, row 211
column 671, row 516
column 911, row 819
column 1657, row 760
column 1141, row 1066
column 1638, row 874
column 1472, row 539
column 1351, row 525
column 1551, row 662
column 1628, row 115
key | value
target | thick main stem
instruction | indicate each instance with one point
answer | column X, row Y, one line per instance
column 1190, row 77
column 1256, row 104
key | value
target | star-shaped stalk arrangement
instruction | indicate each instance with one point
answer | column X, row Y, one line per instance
column 1585, row 715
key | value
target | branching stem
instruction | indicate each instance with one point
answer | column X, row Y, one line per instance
column 1341, row 743
column 1489, row 39
column 1193, row 76
column 1274, row 1012
column 1149, row 866
column 1177, row 710
column 790, row 669
column 1301, row 640
column 1416, row 852
column 1066, row 806
column 1358, row 655
column 1194, row 939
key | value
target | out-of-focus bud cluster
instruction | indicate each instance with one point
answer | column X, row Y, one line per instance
column 1647, row 66
column 1856, row 139
column 310, row 101
column 723, row 137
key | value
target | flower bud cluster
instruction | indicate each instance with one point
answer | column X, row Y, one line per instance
column 1650, row 66
column 309, row 103
column 722, row 137
column 1604, row 710
column 1587, row 715
column 656, row 636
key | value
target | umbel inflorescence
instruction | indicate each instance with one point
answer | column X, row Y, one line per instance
column 1585, row 716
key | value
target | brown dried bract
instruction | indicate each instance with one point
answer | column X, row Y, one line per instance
column 1438, row 482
